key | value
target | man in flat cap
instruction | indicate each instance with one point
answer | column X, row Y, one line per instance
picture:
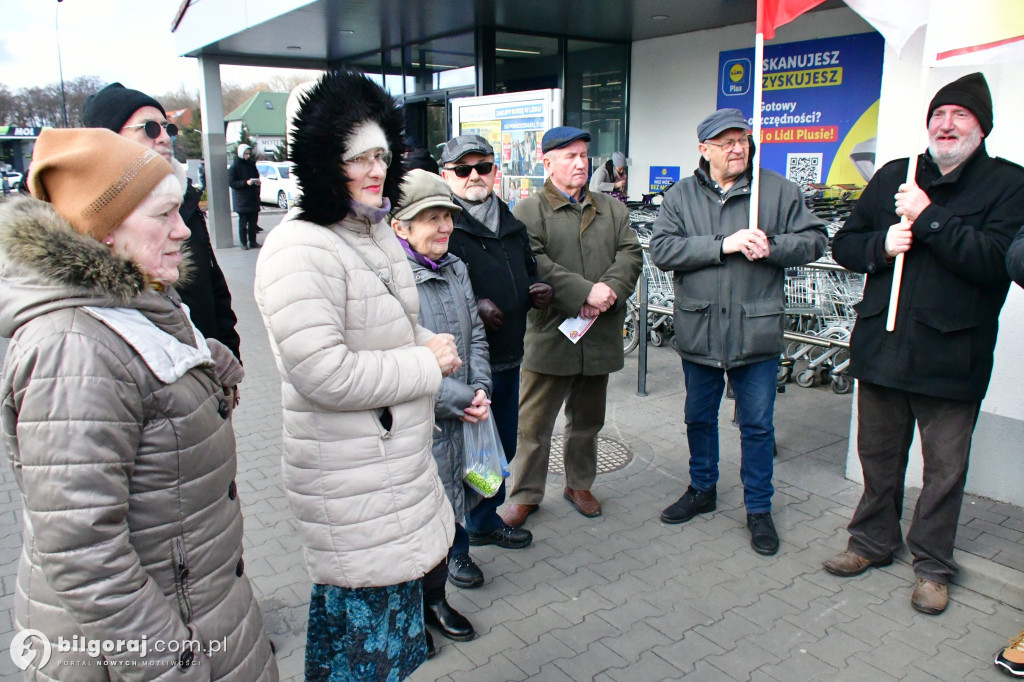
column 933, row 369
column 729, row 308
column 496, row 250
column 587, row 251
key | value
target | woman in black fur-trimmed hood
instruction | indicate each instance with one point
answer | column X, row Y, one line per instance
column 359, row 375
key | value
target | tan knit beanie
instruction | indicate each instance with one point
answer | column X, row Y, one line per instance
column 93, row 177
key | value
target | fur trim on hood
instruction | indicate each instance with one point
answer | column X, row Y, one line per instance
column 328, row 115
column 34, row 239
column 242, row 148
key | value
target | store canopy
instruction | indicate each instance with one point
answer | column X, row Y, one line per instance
column 316, row 33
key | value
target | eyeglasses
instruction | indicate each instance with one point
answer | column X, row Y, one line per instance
column 463, row 171
column 366, row 160
column 152, row 129
column 728, row 145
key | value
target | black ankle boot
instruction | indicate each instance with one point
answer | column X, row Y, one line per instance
column 431, row 649
column 452, row 624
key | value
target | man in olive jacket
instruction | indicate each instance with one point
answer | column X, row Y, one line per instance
column 586, row 250
column 933, row 369
column 729, row 308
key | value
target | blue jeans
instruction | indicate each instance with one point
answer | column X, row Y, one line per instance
column 754, row 386
column 483, row 518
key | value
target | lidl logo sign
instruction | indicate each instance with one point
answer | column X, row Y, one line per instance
column 735, row 77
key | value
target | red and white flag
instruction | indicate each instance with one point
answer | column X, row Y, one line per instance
column 992, row 31
column 896, row 20
column 774, row 13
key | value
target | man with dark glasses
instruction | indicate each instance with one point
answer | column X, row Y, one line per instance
column 139, row 117
column 496, row 249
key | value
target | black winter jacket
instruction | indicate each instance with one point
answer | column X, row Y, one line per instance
column 206, row 293
column 244, row 198
column 502, row 268
column 954, row 276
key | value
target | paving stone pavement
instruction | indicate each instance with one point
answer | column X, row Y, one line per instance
column 624, row 597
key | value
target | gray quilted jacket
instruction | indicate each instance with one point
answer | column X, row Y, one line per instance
column 448, row 306
column 116, row 424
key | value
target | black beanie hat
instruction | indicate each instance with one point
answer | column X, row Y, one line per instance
column 112, row 106
column 970, row 92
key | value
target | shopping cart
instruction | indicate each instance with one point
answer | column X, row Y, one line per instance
column 820, row 299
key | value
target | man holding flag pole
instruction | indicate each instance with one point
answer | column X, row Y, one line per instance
column 934, row 367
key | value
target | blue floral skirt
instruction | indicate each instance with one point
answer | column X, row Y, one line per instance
column 366, row 633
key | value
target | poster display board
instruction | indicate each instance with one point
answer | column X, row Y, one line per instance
column 820, row 109
column 663, row 177
column 513, row 123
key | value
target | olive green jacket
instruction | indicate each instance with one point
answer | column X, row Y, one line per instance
column 578, row 245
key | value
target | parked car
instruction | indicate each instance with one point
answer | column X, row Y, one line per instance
column 277, row 184
column 12, row 178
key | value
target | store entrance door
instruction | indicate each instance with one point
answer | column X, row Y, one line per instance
column 428, row 118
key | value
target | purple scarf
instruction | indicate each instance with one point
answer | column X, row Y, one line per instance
column 371, row 213
column 420, row 258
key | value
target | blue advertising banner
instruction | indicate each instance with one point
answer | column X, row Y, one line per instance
column 662, row 177
column 820, row 109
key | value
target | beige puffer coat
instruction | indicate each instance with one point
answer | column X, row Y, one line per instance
column 133, row 526
column 371, row 508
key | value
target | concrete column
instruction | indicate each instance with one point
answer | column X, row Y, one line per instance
column 211, row 105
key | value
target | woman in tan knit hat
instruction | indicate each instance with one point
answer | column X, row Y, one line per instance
column 117, row 423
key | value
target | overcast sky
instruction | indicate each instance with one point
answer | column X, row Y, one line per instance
column 117, row 40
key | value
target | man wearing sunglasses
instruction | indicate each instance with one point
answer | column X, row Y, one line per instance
column 141, row 118
column 729, row 308
column 496, row 250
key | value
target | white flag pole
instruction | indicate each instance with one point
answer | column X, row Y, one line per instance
column 897, row 274
column 755, row 184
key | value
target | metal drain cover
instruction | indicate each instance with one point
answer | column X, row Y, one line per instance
column 611, row 455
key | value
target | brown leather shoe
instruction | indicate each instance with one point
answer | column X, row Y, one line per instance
column 930, row 597
column 515, row 515
column 584, row 502
column 848, row 564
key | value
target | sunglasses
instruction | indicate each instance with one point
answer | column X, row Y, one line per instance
column 463, row 171
column 152, row 129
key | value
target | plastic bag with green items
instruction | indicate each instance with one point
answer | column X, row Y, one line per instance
column 486, row 465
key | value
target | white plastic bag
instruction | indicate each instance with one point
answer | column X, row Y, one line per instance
column 486, row 465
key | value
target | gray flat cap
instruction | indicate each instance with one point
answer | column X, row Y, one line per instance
column 460, row 145
column 720, row 121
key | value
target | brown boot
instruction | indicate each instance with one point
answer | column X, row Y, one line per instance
column 584, row 502
column 848, row 564
column 930, row 597
column 516, row 514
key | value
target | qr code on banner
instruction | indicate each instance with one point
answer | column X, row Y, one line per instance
column 804, row 169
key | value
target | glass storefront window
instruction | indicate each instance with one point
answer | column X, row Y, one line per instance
column 525, row 62
column 393, row 81
column 595, row 93
column 441, row 64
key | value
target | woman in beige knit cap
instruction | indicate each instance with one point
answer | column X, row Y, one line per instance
column 117, row 423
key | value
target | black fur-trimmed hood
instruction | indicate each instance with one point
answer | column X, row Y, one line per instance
column 45, row 264
column 327, row 115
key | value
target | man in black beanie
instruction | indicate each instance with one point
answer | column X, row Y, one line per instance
column 933, row 369
column 139, row 117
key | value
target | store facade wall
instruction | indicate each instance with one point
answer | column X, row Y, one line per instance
column 673, row 85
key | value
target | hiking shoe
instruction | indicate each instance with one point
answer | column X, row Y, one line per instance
column 763, row 536
column 505, row 536
column 463, row 572
column 930, row 597
column 848, row 564
column 1011, row 659
column 692, row 502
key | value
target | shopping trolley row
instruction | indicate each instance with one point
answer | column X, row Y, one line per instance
column 819, row 308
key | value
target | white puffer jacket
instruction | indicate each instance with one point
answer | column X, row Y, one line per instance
column 371, row 508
